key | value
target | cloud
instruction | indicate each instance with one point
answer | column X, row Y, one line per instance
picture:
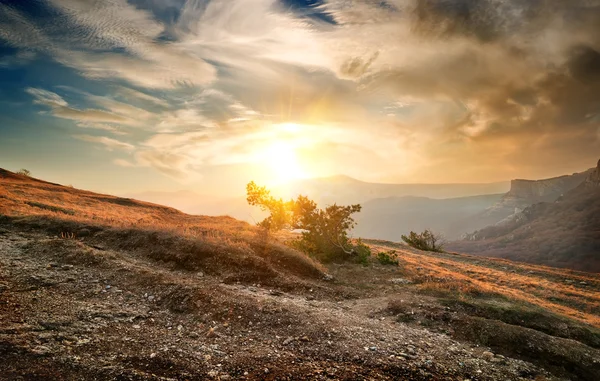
column 90, row 117
column 109, row 143
column 86, row 32
column 427, row 81
column 46, row 97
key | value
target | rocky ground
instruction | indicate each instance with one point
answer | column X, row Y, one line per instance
column 71, row 309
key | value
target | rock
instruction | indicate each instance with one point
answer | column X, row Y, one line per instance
column 304, row 338
column 136, row 326
column 213, row 373
column 487, row 355
column 41, row 350
column 373, row 349
column 67, row 267
column 288, row 340
column 211, row 333
column 328, row 277
column 84, row 232
column 400, row 281
column 152, row 355
column 275, row 292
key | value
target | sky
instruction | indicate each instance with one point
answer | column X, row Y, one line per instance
column 205, row 95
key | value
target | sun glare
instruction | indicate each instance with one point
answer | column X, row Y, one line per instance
column 281, row 160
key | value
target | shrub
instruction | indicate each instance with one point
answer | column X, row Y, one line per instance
column 24, row 172
column 363, row 252
column 325, row 231
column 389, row 258
column 428, row 241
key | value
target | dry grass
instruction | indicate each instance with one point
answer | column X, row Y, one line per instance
column 564, row 292
column 163, row 233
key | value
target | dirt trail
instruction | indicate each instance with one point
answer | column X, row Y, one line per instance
column 70, row 311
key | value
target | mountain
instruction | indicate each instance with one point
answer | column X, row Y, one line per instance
column 389, row 218
column 346, row 190
column 563, row 233
column 524, row 193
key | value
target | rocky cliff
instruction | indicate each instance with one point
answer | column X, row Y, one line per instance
column 524, row 193
column 532, row 191
column 593, row 178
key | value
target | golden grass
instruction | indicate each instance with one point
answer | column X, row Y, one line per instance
column 472, row 276
column 28, row 197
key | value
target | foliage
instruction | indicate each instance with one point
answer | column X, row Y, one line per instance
column 325, row 231
column 428, row 241
column 388, row 258
column 24, row 172
column 363, row 252
column 280, row 211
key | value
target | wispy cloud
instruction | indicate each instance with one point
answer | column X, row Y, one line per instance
column 109, row 143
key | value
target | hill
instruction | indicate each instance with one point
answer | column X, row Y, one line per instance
column 563, row 233
column 389, row 218
column 347, row 190
column 99, row 287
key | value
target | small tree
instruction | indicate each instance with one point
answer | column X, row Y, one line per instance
column 325, row 234
column 428, row 241
column 24, row 172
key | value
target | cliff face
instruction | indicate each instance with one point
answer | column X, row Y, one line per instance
column 528, row 192
column 533, row 191
column 593, row 179
column 563, row 232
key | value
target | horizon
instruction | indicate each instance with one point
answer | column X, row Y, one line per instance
column 129, row 96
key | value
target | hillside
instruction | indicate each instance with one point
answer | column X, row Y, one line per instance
column 563, row 233
column 389, row 218
column 99, row 287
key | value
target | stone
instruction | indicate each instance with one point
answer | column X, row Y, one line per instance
column 487, row 355
column 400, row 281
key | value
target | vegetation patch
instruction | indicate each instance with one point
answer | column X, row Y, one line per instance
column 52, row 208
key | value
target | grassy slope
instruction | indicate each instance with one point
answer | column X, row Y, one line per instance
column 217, row 244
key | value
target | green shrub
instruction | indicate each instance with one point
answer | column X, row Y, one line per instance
column 363, row 252
column 325, row 231
column 389, row 258
column 428, row 241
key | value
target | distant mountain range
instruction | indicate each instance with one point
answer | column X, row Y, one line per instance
column 564, row 232
column 390, row 210
column 347, row 190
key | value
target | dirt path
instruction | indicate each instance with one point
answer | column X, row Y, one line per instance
column 70, row 311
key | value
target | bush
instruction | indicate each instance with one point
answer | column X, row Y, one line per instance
column 363, row 252
column 24, row 172
column 428, row 241
column 389, row 258
column 325, row 231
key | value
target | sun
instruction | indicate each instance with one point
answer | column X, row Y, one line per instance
column 281, row 160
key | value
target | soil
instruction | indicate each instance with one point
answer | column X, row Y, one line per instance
column 72, row 309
